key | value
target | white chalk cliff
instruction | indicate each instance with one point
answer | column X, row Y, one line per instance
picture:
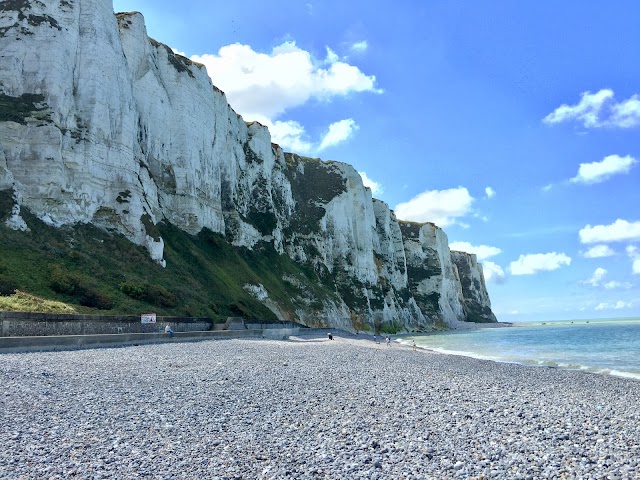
column 101, row 124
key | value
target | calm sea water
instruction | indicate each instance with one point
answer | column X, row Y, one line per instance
column 609, row 347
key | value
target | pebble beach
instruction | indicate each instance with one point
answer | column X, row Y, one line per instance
column 308, row 407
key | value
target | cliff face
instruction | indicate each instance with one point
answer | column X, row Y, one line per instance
column 477, row 306
column 101, row 124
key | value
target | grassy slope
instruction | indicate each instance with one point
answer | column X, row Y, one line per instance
column 204, row 276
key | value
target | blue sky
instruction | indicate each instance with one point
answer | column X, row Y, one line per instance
column 515, row 126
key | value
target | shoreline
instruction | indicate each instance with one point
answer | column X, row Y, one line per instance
column 309, row 407
column 603, row 370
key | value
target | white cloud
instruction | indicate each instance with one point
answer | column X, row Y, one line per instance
column 338, row 132
column 332, row 57
column 599, row 251
column 482, row 251
column 376, row 188
column 611, row 285
column 359, row 47
column 586, row 111
column 538, row 262
column 597, row 280
column 490, row 192
column 493, row 273
column 596, row 172
column 599, row 110
column 619, row 230
column 634, row 254
column 264, row 86
column 619, row 305
column 626, row 114
column 289, row 134
column 442, row 207
column 268, row 84
column 597, row 277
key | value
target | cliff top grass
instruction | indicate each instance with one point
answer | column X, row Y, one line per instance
column 24, row 302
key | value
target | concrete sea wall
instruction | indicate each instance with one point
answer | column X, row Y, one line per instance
column 20, row 324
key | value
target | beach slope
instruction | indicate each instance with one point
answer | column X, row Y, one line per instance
column 309, row 408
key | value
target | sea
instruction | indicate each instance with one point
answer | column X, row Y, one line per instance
column 603, row 346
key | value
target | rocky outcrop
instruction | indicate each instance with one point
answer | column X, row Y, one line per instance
column 477, row 305
column 433, row 278
column 101, row 124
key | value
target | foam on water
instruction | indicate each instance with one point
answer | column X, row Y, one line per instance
column 606, row 347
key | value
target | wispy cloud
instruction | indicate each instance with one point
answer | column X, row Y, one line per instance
column 619, row 305
column 359, row 47
column 338, row 132
column 599, row 251
column 533, row 263
column 620, row 230
column 599, row 109
column 490, row 192
column 634, row 254
column 481, row 251
column 493, row 273
column 376, row 188
column 289, row 134
column 442, row 207
column 596, row 172
column 596, row 278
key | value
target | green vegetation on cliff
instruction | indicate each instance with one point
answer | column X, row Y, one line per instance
column 91, row 270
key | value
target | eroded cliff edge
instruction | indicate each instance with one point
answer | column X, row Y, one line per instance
column 100, row 124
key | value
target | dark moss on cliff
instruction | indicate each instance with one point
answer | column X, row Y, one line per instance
column 410, row 230
column 429, row 304
column 124, row 19
column 6, row 204
column 22, row 7
column 314, row 183
column 150, row 227
column 429, row 267
column 472, row 288
column 352, row 293
column 19, row 109
column 264, row 222
column 250, row 155
column 180, row 63
column 480, row 314
column 123, row 197
column 260, row 214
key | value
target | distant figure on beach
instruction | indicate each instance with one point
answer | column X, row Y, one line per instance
column 168, row 330
column 388, row 341
column 330, row 336
column 414, row 345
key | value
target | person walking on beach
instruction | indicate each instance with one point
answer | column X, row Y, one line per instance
column 388, row 341
column 414, row 345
